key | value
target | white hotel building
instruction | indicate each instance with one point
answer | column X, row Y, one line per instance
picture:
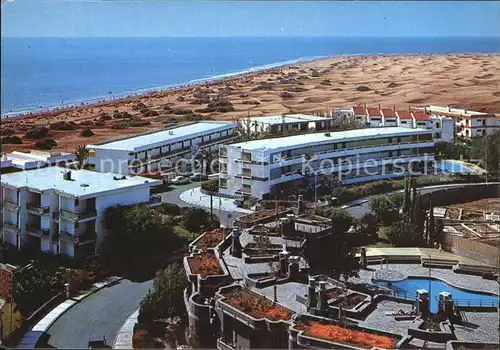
column 263, row 168
column 441, row 125
column 61, row 212
column 279, row 124
column 468, row 124
column 159, row 150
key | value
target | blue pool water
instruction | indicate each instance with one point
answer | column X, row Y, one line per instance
column 452, row 167
column 410, row 286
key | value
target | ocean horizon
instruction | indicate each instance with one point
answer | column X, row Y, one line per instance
column 43, row 73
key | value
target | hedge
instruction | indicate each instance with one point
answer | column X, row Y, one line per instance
column 350, row 194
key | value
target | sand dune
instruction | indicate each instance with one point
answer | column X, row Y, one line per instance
column 469, row 81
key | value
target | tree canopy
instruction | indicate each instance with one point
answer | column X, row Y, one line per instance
column 166, row 299
column 139, row 229
column 404, row 233
column 198, row 220
column 386, row 207
column 334, row 252
column 32, row 286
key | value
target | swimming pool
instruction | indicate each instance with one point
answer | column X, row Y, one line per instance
column 448, row 166
column 410, row 286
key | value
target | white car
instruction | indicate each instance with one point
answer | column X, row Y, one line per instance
column 180, row 180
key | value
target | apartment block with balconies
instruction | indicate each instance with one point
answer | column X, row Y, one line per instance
column 467, row 124
column 262, row 168
column 160, row 150
column 60, row 212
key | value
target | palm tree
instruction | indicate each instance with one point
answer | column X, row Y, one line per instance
column 81, row 153
column 207, row 156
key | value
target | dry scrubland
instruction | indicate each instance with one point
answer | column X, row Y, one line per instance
column 469, row 81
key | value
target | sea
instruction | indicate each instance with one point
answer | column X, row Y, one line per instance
column 44, row 73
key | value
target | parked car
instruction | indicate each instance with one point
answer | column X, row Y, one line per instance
column 198, row 177
column 180, row 180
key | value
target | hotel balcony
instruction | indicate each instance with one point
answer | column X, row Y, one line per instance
column 87, row 237
column 342, row 152
column 70, row 215
column 11, row 205
column 37, row 209
column 244, row 174
column 11, row 226
column 37, row 231
column 244, row 191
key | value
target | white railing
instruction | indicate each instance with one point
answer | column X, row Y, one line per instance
column 374, row 147
column 356, row 165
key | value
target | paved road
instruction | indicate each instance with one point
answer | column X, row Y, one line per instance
column 100, row 314
column 173, row 197
column 363, row 208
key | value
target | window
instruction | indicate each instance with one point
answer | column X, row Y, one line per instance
column 77, row 202
column 438, row 125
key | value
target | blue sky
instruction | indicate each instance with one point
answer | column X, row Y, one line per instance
column 147, row 18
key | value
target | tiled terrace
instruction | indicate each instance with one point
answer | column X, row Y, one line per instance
column 372, row 315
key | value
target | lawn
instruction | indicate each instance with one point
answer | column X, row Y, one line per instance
column 6, row 321
column 382, row 241
column 180, row 231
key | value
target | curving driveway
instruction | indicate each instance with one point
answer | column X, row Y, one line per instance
column 226, row 217
column 360, row 207
column 100, row 314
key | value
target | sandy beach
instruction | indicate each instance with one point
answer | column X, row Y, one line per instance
column 469, row 81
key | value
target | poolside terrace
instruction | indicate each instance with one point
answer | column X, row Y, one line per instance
column 269, row 298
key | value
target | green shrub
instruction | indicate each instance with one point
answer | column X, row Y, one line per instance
column 286, row 94
column 63, row 125
column 169, row 209
column 180, row 111
column 211, row 185
column 13, row 140
column 220, row 103
column 121, row 125
column 46, row 144
column 37, row 132
column 363, row 88
column 87, row 133
column 296, row 89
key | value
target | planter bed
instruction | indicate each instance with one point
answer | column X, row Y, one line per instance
column 255, row 305
column 277, row 247
column 262, row 276
column 261, row 252
column 205, row 264
column 343, row 335
column 334, row 293
column 350, row 301
column 210, row 239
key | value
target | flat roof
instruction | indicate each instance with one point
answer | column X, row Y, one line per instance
column 319, row 137
column 83, row 183
column 153, row 139
column 289, row 118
